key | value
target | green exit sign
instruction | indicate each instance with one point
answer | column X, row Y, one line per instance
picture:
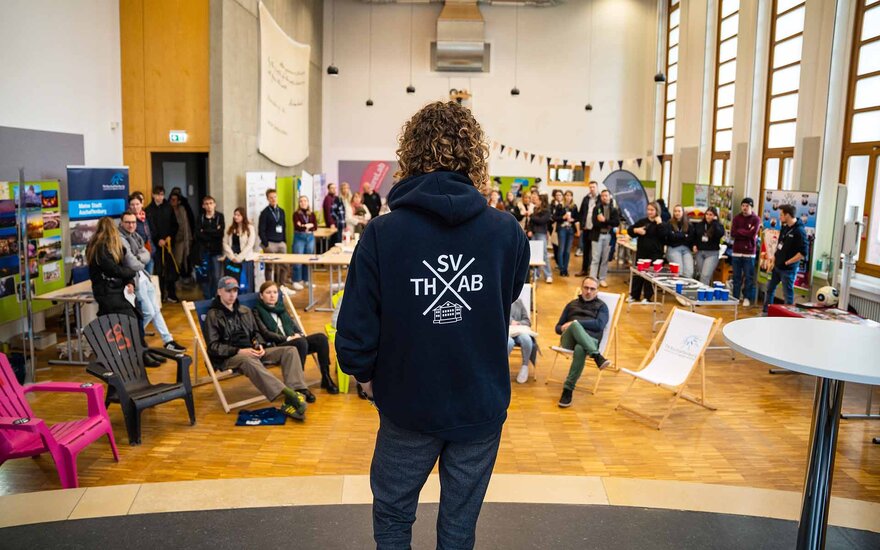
column 177, row 136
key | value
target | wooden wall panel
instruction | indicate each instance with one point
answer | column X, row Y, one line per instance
column 176, row 71
column 131, row 33
column 138, row 169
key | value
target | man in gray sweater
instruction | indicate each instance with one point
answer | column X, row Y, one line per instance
column 136, row 258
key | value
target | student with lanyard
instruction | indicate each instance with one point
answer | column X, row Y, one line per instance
column 304, row 224
column 272, row 230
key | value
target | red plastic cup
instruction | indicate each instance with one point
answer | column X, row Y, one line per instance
column 673, row 268
column 658, row 266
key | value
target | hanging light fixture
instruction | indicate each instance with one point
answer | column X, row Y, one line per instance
column 370, row 64
column 515, row 91
column 410, row 89
column 332, row 69
column 589, row 106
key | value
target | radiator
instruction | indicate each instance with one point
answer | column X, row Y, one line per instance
column 867, row 308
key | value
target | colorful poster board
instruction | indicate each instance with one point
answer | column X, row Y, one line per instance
column 806, row 210
column 697, row 197
column 515, row 183
column 42, row 212
column 93, row 193
column 379, row 173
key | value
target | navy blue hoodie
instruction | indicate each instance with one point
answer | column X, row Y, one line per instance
column 426, row 308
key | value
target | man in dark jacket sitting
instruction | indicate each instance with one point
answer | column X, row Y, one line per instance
column 581, row 325
column 235, row 342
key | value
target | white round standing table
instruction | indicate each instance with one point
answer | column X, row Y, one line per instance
column 833, row 352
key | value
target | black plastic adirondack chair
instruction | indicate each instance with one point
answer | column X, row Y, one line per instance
column 119, row 363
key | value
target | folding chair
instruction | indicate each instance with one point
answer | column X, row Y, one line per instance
column 615, row 304
column 199, row 310
column 674, row 354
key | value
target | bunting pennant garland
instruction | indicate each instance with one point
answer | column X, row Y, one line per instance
column 532, row 157
column 619, row 164
column 517, row 153
column 502, row 148
column 584, row 166
column 541, row 159
column 639, row 162
column 548, row 161
column 601, row 164
column 659, row 158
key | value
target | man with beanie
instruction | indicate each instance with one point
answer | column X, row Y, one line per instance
column 424, row 327
column 744, row 232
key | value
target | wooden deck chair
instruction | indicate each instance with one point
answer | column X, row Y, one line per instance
column 198, row 311
column 615, row 303
column 676, row 351
column 526, row 296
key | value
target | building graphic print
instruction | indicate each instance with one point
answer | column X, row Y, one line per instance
column 447, row 313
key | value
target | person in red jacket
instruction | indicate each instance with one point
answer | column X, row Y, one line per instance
column 744, row 232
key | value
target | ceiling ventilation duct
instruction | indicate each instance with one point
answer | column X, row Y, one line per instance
column 460, row 45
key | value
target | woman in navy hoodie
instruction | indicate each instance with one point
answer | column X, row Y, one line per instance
column 424, row 326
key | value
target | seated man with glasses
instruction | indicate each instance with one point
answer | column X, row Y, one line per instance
column 581, row 325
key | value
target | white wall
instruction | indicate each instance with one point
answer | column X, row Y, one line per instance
column 60, row 71
column 547, row 118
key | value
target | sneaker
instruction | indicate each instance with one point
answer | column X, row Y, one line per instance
column 630, row 299
column 151, row 362
column 548, row 280
column 298, row 286
column 579, row 253
column 172, row 300
column 603, row 284
column 523, row 375
column 309, row 396
column 601, row 362
column 295, row 407
column 174, row 346
column 565, row 399
column 746, row 303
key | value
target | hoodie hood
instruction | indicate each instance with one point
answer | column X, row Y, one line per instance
column 449, row 196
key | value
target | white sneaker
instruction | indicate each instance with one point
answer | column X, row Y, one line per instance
column 630, row 299
column 298, row 285
column 746, row 303
column 549, row 280
column 523, row 375
column 579, row 253
column 603, row 284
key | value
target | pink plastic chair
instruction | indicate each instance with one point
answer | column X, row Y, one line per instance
column 23, row 435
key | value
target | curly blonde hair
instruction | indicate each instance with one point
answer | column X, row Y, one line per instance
column 444, row 136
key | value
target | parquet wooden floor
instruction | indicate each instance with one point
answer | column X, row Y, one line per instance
column 758, row 437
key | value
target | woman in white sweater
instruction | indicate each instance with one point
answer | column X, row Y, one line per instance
column 238, row 244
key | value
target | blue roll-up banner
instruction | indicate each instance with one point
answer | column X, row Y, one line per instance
column 93, row 193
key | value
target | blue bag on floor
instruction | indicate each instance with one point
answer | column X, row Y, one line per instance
column 262, row 417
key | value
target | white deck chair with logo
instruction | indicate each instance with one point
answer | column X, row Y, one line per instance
column 615, row 304
column 675, row 353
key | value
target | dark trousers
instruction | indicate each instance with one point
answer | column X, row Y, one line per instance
column 401, row 464
column 587, row 245
column 640, row 285
column 314, row 343
column 784, row 276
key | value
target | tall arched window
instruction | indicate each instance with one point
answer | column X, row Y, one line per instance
column 783, row 84
column 668, row 144
column 860, row 166
column 725, row 73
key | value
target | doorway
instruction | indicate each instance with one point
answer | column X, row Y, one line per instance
column 186, row 171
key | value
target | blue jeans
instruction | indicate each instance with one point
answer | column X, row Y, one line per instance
column 401, row 464
column 303, row 243
column 524, row 341
column 565, row 236
column 682, row 256
column 209, row 285
column 705, row 263
column 543, row 238
column 744, row 268
column 145, row 293
column 784, row 276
